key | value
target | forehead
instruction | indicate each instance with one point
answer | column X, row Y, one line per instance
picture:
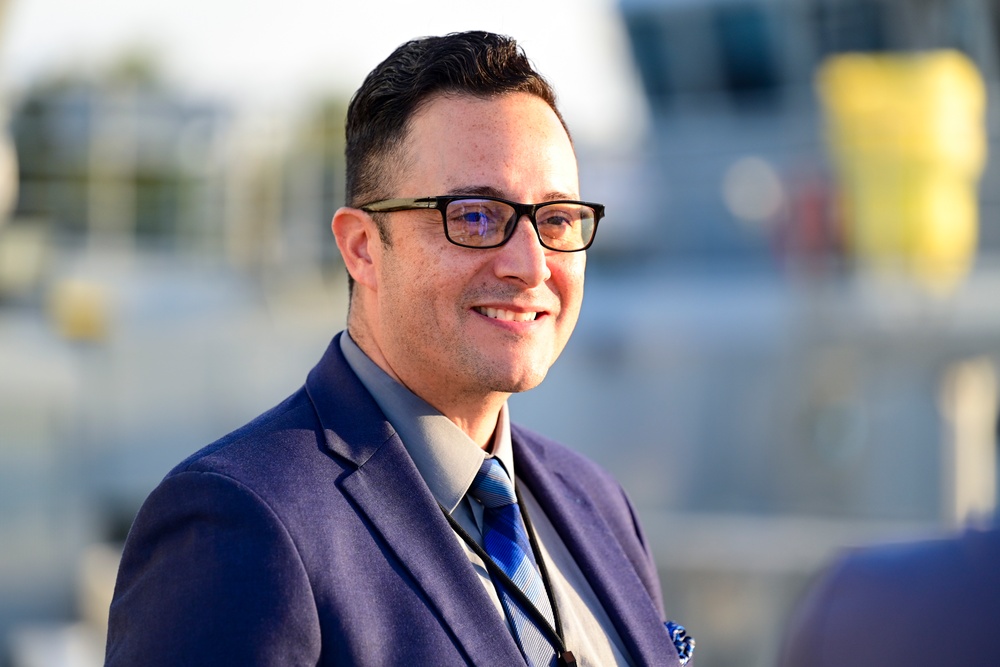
column 513, row 143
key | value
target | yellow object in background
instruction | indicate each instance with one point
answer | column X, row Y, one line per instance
column 908, row 140
column 80, row 309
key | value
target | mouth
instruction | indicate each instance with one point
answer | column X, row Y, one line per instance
column 508, row 315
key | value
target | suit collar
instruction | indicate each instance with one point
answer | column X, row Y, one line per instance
column 352, row 423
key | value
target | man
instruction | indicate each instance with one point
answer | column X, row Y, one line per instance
column 372, row 518
column 929, row 603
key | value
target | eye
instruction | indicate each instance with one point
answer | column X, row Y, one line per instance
column 475, row 218
column 556, row 221
column 477, row 222
column 472, row 218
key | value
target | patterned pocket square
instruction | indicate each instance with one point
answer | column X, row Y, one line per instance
column 683, row 642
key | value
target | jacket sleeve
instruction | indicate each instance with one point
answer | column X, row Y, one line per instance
column 210, row 576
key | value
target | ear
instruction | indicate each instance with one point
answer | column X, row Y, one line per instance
column 357, row 239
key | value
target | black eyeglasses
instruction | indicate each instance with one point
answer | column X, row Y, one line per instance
column 489, row 222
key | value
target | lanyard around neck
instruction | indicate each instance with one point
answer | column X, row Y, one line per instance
column 554, row 635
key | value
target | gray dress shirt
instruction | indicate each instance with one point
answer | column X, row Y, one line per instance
column 448, row 461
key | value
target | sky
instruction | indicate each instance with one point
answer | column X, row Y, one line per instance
column 278, row 53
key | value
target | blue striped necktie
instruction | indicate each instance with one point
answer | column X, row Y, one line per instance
column 506, row 542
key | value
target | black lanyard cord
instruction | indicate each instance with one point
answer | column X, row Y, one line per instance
column 542, row 569
column 554, row 635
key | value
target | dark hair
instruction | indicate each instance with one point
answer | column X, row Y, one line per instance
column 476, row 63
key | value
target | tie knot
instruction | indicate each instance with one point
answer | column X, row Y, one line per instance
column 492, row 486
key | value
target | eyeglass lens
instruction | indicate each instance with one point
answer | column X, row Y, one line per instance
column 483, row 223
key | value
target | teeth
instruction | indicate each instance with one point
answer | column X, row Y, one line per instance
column 509, row 315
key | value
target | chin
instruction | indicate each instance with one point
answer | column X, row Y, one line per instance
column 512, row 374
column 518, row 387
column 516, row 383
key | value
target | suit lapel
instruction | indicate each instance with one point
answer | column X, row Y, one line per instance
column 389, row 493
column 597, row 553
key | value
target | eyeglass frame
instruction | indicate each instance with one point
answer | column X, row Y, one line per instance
column 440, row 203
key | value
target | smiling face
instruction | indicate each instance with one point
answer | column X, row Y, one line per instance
column 459, row 325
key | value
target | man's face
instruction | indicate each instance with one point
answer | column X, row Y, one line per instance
column 458, row 323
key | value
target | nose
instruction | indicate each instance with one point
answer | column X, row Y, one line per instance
column 522, row 257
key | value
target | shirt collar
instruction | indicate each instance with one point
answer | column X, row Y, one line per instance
column 444, row 455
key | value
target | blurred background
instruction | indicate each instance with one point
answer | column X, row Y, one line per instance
column 793, row 305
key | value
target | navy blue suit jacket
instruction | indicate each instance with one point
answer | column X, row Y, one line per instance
column 308, row 537
column 921, row 604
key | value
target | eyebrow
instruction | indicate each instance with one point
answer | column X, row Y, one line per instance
column 489, row 191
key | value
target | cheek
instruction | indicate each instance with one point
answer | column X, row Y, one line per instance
column 410, row 268
column 426, row 286
column 569, row 281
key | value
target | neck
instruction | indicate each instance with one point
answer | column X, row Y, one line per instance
column 480, row 425
column 476, row 414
